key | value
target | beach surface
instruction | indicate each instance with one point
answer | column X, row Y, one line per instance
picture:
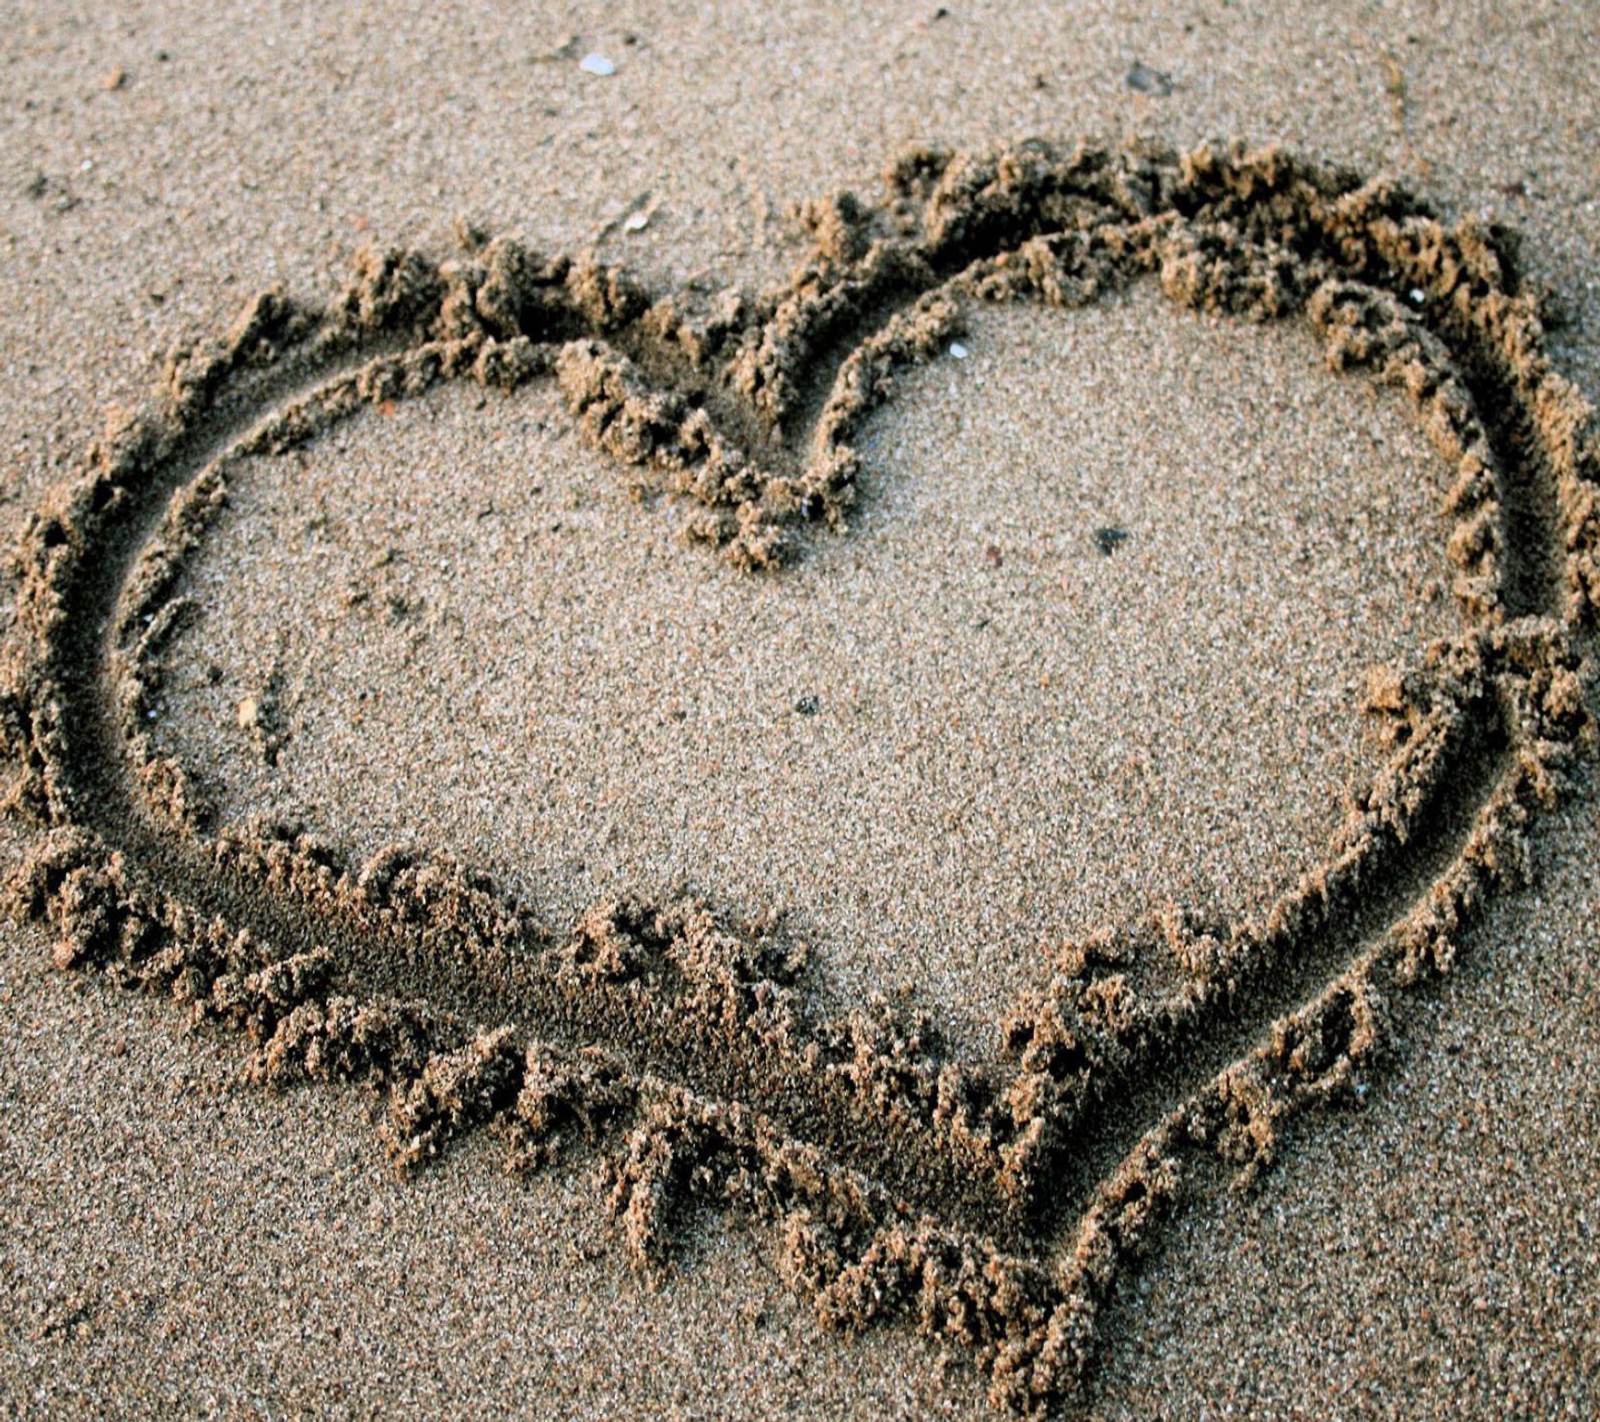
column 1094, row 646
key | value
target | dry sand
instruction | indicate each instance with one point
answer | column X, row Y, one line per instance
column 951, row 736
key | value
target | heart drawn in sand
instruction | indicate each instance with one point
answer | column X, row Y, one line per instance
column 993, row 1204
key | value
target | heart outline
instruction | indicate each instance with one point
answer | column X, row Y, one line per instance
column 1259, row 233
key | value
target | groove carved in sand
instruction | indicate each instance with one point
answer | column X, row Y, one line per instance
column 994, row 1206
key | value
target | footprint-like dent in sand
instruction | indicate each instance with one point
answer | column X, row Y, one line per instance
column 964, row 731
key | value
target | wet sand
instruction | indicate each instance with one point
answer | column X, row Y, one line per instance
column 468, row 635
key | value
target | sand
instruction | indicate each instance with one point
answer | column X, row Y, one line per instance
column 639, row 729
column 936, row 748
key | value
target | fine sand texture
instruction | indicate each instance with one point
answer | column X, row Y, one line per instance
column 791, row 713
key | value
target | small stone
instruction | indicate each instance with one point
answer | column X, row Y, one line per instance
column 116, row 79
column 1143, row 79
column 1108, row 540
column 597, row 64
column 808, row 705
column 959, row 351
column 249, row 714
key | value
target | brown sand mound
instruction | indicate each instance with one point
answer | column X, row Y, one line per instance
column 992, row 1203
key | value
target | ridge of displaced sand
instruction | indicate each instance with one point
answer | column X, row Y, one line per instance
column 898, row 1179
